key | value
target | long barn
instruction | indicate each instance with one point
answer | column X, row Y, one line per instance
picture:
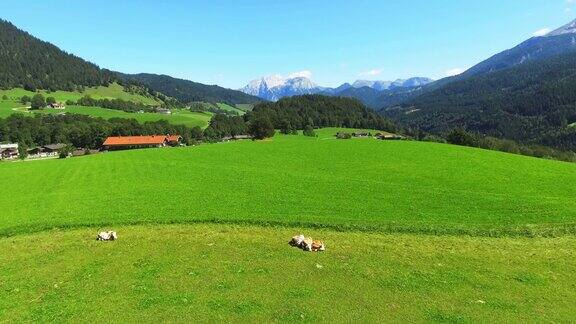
column 136, row 142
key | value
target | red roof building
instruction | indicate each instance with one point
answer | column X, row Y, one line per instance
column 130, row 142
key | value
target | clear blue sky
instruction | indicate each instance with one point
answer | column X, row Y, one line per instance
column 229, row 42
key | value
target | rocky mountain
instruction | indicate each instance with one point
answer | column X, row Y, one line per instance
column 276, row 87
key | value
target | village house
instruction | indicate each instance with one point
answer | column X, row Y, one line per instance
column 164, row 111
column 136, row 142
column 57, row 105
column 237, row 138
column 390, row 137
column 50, row 150
column 9, row 151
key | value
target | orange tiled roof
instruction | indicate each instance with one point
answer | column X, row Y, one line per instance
column 173, row 138
column 136, row 140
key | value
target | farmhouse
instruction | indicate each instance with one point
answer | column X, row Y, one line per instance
column 9, row 151
column 164, row 111
column 390, row 137
column 135, row 142
column 45, row 151
column 57, row 105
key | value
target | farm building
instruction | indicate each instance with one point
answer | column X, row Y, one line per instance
column 390, row 137
column 135, row 142
column 57, row 105
column 164, row 111
column 9, row 151
column 45, row 151
column 237, row 138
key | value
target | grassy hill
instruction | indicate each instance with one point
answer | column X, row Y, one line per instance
column 375, row 203
column 113, row 91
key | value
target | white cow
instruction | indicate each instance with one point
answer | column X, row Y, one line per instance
column 107, row 236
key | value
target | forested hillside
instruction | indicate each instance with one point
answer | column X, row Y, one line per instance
column 30, row 63
column 322, row 111
column 188, row 91
column 530, row 103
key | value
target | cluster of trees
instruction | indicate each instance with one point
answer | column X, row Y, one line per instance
column 459, row 136
column 82, row 131
column 30, row 63
column 532, row 103
column 118, row 104
column 315, row 111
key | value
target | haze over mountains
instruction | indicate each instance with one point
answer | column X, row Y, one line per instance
column 275, row 87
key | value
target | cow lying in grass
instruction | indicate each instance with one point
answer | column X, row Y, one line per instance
column 307, row 244
column 107, row 236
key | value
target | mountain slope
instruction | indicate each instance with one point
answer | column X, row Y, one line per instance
column 188, row 91
column 27, row 62
column 557, row 42
column 532, row 102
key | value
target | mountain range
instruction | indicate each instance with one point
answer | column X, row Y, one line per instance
column 276, row 87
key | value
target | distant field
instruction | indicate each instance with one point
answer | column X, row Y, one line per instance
column 229, row 108
column 222, row 273
column 178, row 117
column 356, row 184
column 113, row 91
column 245, row 107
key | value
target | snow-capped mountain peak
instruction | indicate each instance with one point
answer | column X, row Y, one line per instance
column 569, row 28
column 276, row 87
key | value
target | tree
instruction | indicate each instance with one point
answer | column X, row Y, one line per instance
column 22, row 151
column 4, row 97
column 261, row 127
column 38, row 101
column 50, row 100
column 25, row 99
column 286, row 128
column 309, row 131
column 461, row 137
column 65, row 152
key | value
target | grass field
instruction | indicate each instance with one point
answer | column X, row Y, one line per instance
column 229, row 108
column 360, row 184
column 113, row 91
column 228, row 273
column 410, row 228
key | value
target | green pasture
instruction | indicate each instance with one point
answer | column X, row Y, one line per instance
column 113, row 91
column 361, row 184
column 224, row 273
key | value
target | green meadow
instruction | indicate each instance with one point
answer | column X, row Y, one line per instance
column 113, row 91
column 414, row 231
column 215, row 273
column 178, row 116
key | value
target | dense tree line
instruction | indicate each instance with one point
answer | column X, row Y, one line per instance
column 30, row 63
column 321, row 111
column 118, row 104
column 533, row 103
column 459, row 136
column 83, row 131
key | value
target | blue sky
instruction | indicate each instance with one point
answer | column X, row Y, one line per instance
column 231, row 42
